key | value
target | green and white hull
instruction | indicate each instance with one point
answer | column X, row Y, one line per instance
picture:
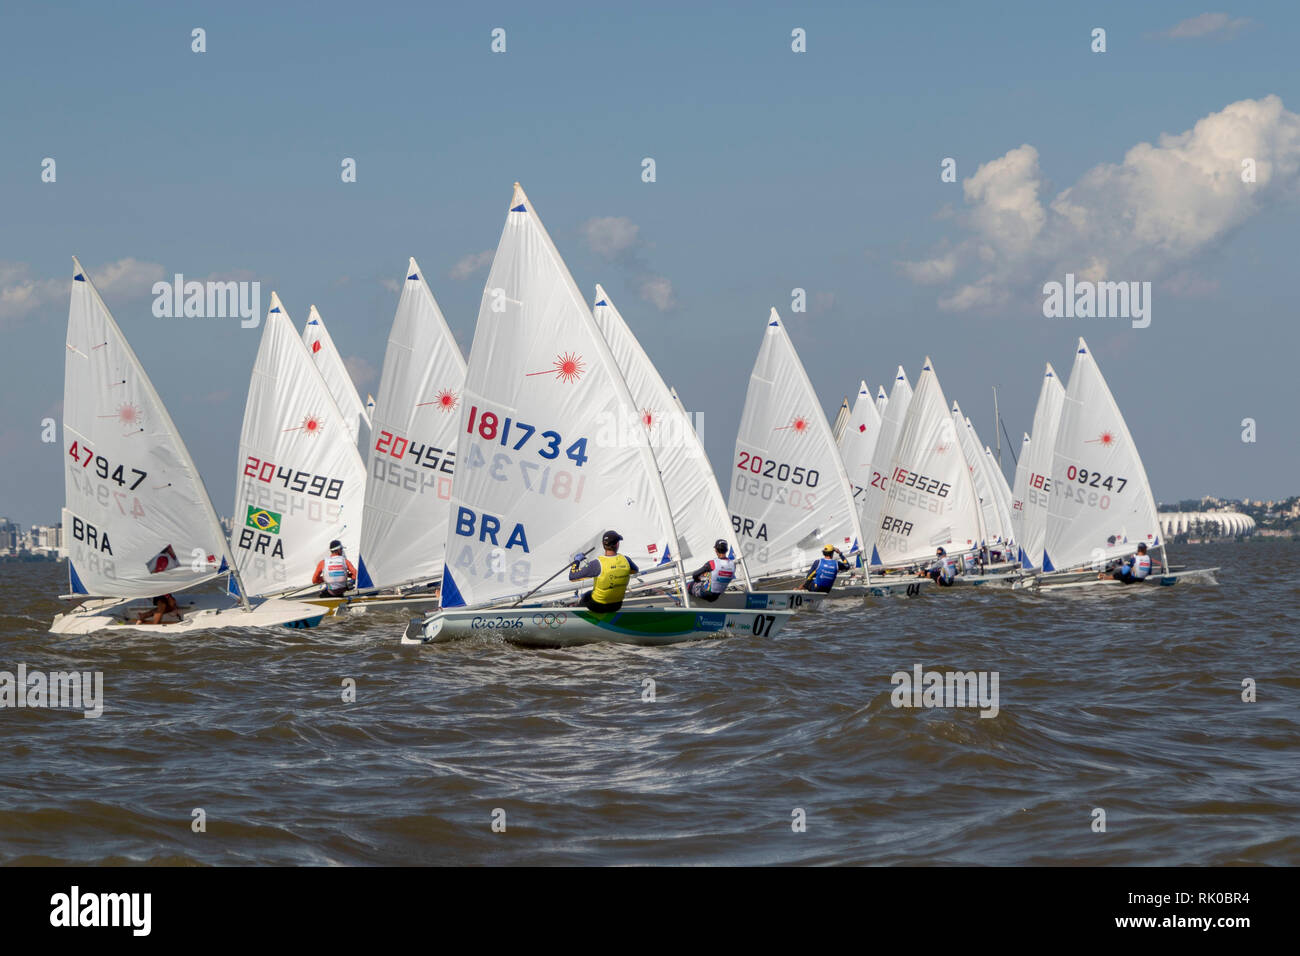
column 542, row 626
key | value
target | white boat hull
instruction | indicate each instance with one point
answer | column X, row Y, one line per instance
column 199, row 613
column 569, row 626
column 1074, row 581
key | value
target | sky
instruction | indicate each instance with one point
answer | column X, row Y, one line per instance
column 775, row 170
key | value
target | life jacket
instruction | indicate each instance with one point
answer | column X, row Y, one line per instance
column 723, row 573
column 824, row 575
column 947, row 566
column 1141, row 566
column 611, row 584
column 336, row 572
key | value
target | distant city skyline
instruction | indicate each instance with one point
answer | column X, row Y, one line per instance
column 799, row 156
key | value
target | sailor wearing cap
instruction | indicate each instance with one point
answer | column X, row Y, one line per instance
column 335, row 572
column 822, row 575
column 611, row 571
column 712, row 580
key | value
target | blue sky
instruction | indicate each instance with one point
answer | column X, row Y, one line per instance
column 775, row 170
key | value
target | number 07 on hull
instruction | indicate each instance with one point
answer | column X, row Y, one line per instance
column 569, row 626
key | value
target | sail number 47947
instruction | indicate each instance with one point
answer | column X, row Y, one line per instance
column 103, row 467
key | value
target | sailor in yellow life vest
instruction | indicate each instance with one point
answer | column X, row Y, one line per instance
column 611, row 572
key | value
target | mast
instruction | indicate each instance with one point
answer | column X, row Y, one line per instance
column 997, row 425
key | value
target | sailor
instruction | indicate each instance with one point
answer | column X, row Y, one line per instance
column 970, row 563
column 943, row 570
column 1136, row 568
column 711, row 580
column 163, row 604
column 611, row 571
column 335, row 572
column 821, row 576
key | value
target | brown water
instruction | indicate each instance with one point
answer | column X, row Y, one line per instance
column 1128, row 702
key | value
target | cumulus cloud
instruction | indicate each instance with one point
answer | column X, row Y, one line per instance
column 22, row 293
column 391, row 284
column 658, row 291
column 1205, row 25
column 610, row 237
column 363, row 373
column 1141, row 219
column 468, row 265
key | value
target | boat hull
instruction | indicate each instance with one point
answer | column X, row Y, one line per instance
column 1074, row 581
column 567, row 627
column 792, row 600
column 106, row 615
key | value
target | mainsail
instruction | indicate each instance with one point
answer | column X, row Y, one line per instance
column 543, row 462
column 1038, row 469
column 138, row 521
column 330, row 365
column 789, row 493
column 1018, row 501
column 300, row 481
column 984, row 491
column 871, row 502
column 699, row 514
column 1101, row 505
column 413, row 444
column 930, row 501
column 858, row 441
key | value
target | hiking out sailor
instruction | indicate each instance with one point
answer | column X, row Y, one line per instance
column 611, row 572
column 163, row 605
column 970, row 563
column 821, row 576
column 943, row 570
column 335, row 572
column 1134, row 568
column 715, row 576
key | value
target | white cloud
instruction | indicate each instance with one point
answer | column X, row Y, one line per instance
column 363, row 373
column 391, row 284
column 1204, row 25
column 610, row 236
column 1140, row 219
column 468, row 265
column 22, row 293
column 658, row 291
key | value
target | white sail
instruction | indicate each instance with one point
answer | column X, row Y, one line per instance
column 872, row 500
column 882, row 400
column 699, row 514
column 789, row 493
column 1100, row 505
column 300, row 481
column 138, row 521
column 1018, row 500
column 980, row 478
column 1003, row 491
column 330, row 365
column 544, row 463
column 413, row 444
column 1038, row 469
column 858, row 441
column 930, row 501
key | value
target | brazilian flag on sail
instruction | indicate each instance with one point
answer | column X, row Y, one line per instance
column 263, row 520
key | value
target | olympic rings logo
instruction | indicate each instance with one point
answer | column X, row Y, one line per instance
column 549, row 620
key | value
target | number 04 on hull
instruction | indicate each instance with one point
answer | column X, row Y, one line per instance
column 567, row 626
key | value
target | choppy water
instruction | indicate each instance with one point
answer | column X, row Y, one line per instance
column 1126, row 702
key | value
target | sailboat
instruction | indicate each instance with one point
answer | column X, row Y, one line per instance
column 329, row 363
column 930, row 499
column 300, row 481
column 857, row 441
column 544, row 468
column 789, row 492
column 412, row 453
column 1036, row 492
column 871, row 501
column 138, row 521
column 1018, row 493
column 699, row 514
column 1100, row 505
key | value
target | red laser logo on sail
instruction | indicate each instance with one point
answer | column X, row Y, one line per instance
column 315, row 347
column 799, row 424
column 311, row 425
column 648, row 418
column 1106, row 438
column 446, row 401
column 566, row 368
